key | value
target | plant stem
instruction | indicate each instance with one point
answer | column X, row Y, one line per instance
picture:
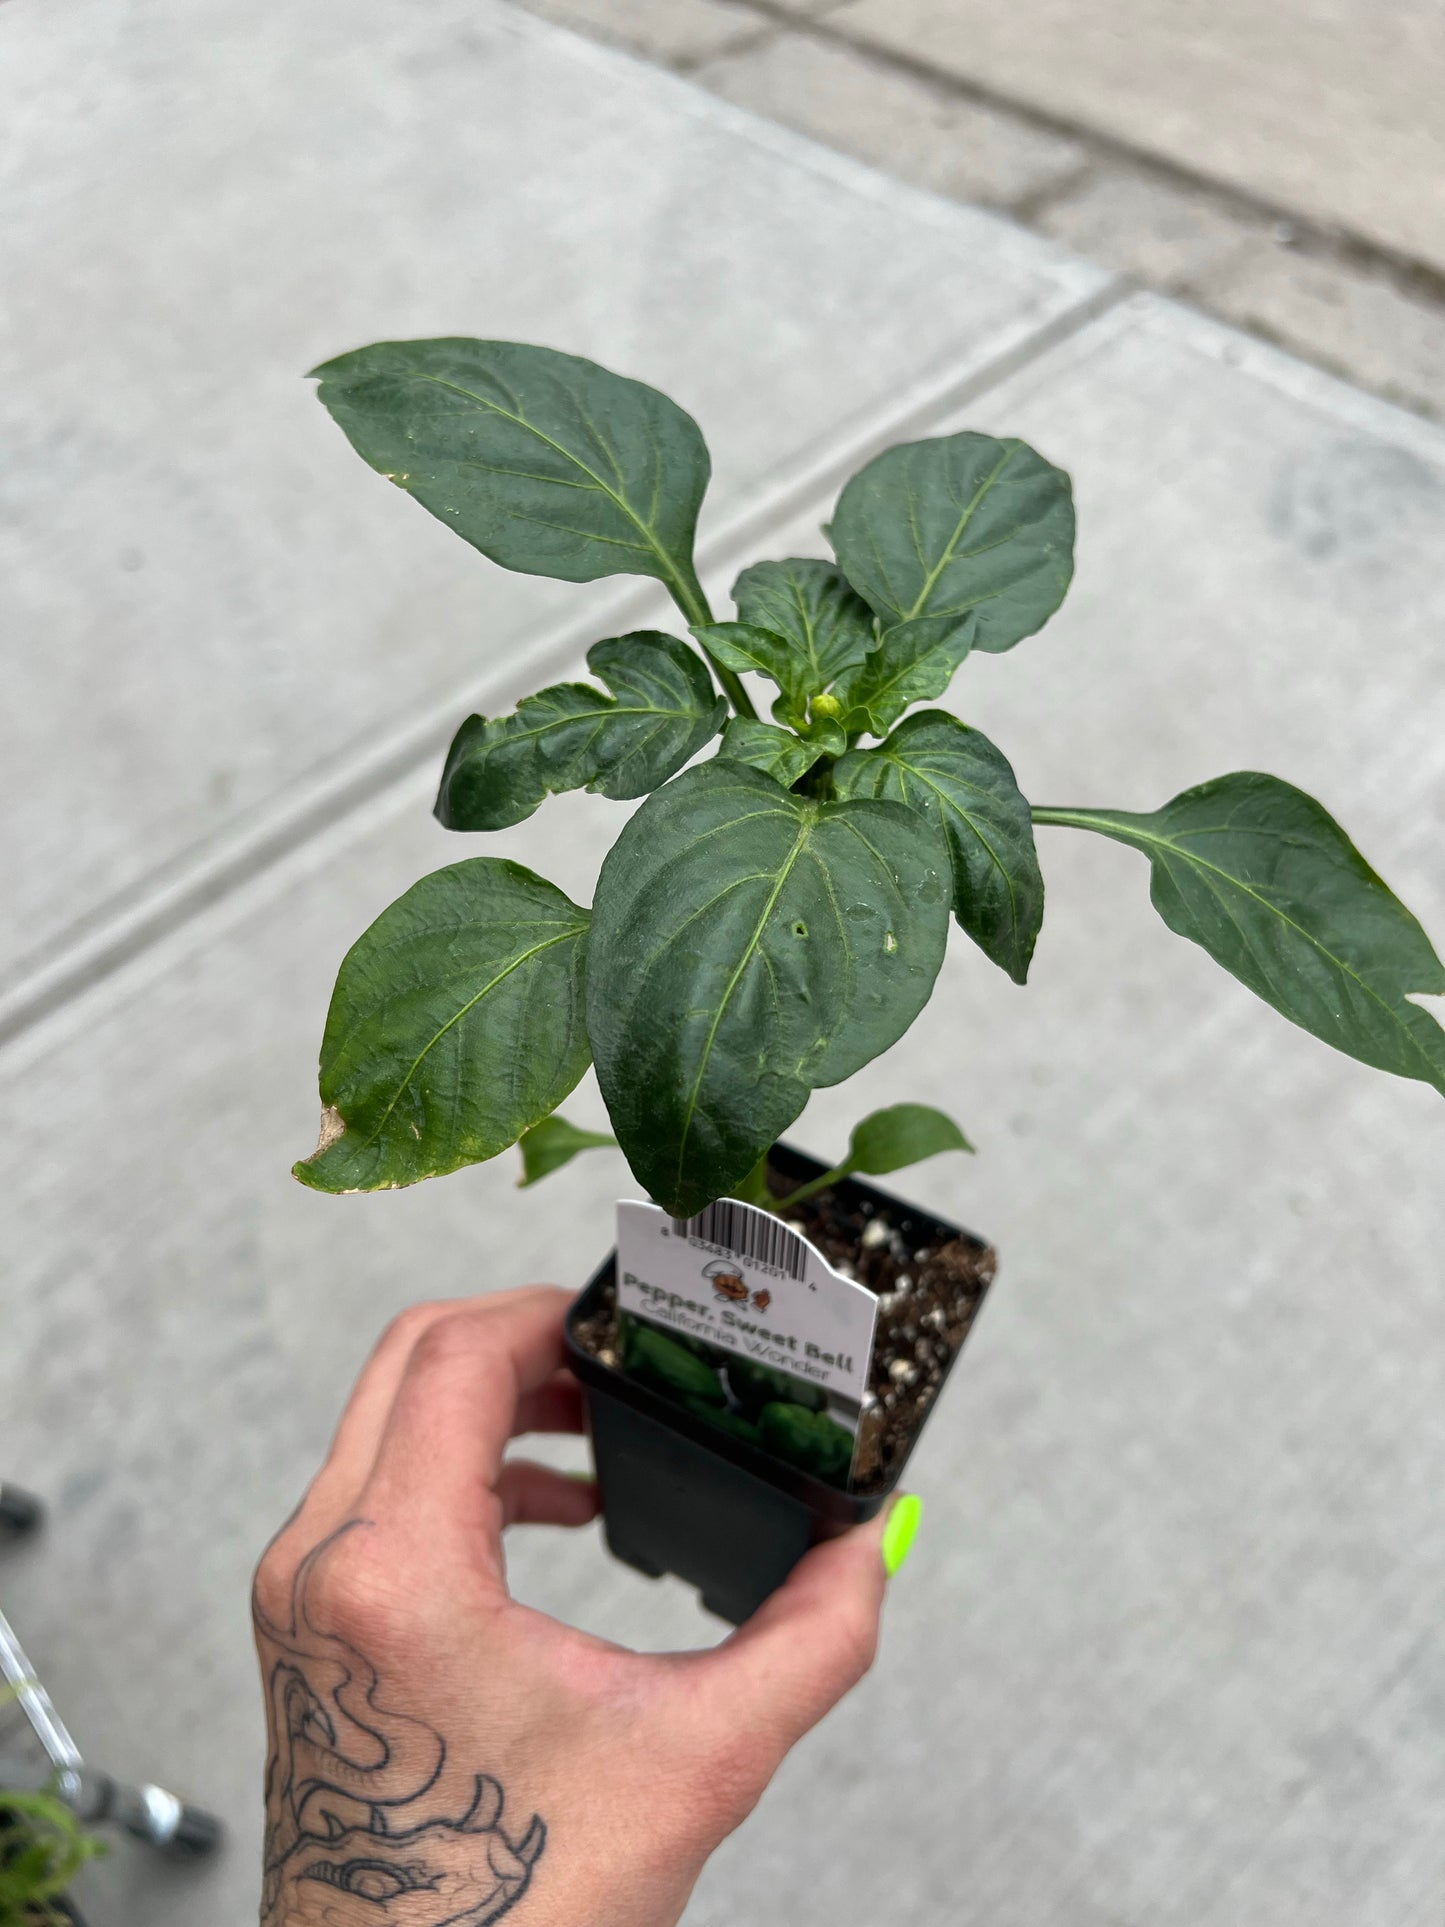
column 686, row 592
column 1067, row 819
column 810, row 1189
column 818, row 781
column 755, row 1188
column 732, row 687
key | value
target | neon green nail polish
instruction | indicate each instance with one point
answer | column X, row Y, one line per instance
column 900, row 1531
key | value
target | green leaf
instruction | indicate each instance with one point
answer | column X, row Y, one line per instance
column 936, row 764
column 885, row 1141
column 571, row 736
column 913, row 662
column 755, row 1188
column 553, row 1143
column 825, row 735
column 963, row 523
column 749, row 946
column 43, row 1846
column 777, row 752
column 813, row 608
column 545, row 462
column 741, row 647
column 455, row 1025
column 1268, row 883
column 800, row 625
column 902, row 1134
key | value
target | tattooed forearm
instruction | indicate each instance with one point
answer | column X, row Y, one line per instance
column 367, row 1819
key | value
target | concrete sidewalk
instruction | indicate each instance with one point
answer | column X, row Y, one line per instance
column 1326, row 109
column 1166, row 1654
column 1281, row 167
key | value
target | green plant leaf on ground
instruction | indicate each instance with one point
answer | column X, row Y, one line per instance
column 572, row 736
column 957, row 524
column 1260, row 876
column 749, row 946
column 777, row 752
column 455, row 1025
column 812, row 606
column 913, row 662
column 547, row 1146
column 940, row 766
column 543, row 461
column 43, row 1846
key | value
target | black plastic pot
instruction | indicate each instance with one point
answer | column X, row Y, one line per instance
column 680, row 1496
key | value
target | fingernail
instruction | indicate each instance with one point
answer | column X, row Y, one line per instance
column 900, row 1531
column 583, row 1478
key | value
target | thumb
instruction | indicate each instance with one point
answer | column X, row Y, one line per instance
column 814, row 1638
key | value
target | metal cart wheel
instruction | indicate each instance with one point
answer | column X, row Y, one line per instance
column 148, row 1813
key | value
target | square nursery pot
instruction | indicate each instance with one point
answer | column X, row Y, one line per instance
column 681, row 1496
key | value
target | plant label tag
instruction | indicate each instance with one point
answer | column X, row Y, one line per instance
column 764, row 1336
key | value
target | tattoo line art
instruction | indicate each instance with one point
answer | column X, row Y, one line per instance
column 353, row 1807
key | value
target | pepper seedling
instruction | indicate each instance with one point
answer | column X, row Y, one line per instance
column 774, row 916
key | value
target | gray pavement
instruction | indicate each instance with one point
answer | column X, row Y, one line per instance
column 1166, row 1654
column 163, row 442
column 1327, row 108
column 1281, row 167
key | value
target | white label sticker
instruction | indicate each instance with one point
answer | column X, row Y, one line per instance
column 738, row 1278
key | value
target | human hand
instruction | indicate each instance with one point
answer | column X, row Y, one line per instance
column 439, row 1753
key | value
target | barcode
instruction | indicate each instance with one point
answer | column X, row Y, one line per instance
column 751, row 1234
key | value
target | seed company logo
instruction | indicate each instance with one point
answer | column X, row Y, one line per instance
column 729, row 1284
